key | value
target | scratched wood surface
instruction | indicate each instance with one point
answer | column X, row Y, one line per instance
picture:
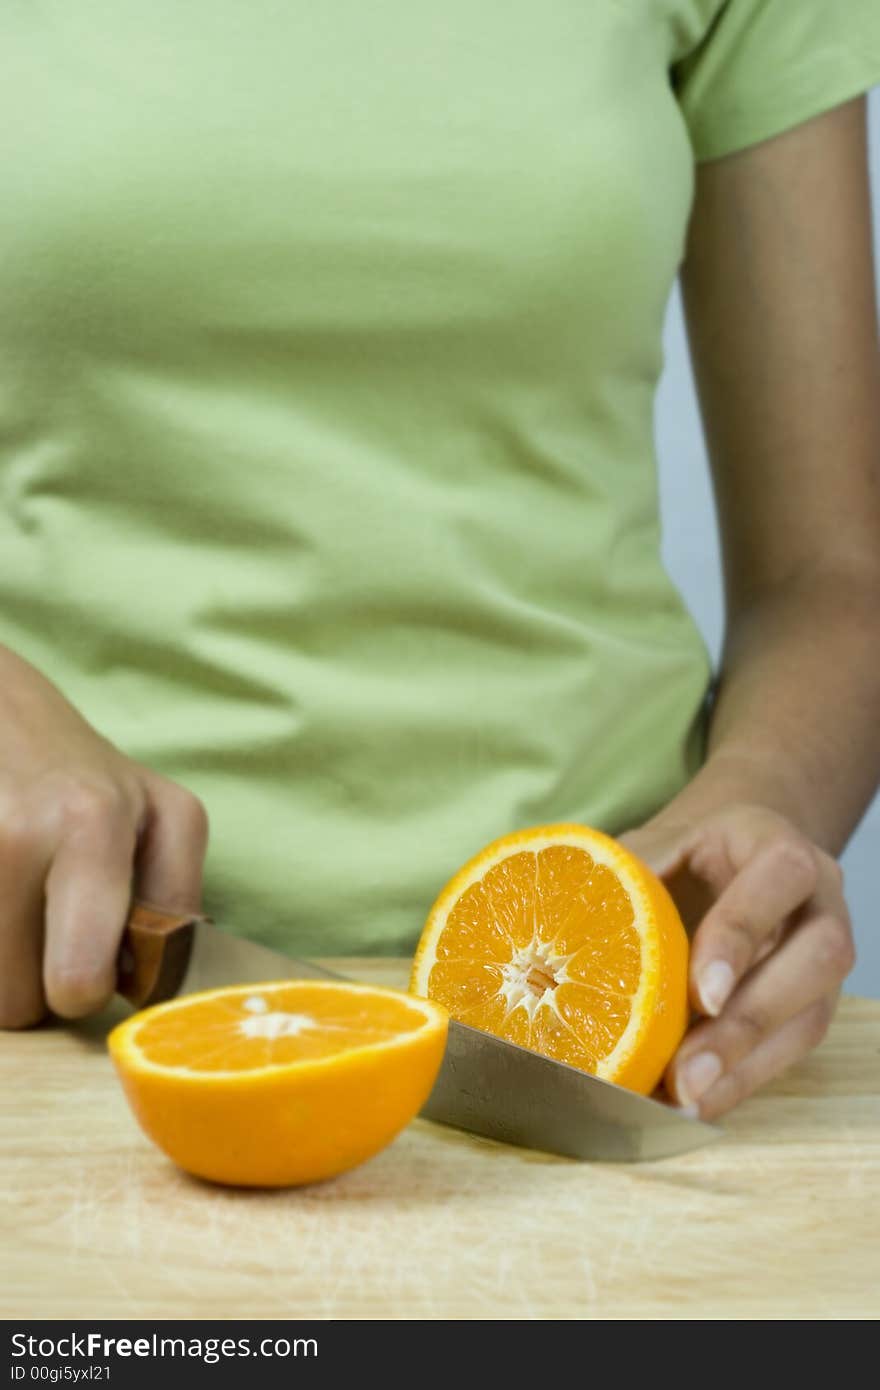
column 779, row 1219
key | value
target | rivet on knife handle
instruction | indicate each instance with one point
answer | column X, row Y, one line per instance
column 154, row 953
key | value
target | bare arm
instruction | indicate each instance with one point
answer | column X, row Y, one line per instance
column 780, row 302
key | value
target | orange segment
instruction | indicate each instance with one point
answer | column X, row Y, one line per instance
column 467, row 937
column 469, row 984
column 281, row 1083
column 558, row 867
column 555, row 1038
column 510, row 887
column 559, row 939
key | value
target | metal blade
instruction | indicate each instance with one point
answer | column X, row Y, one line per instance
column 218, row 958
column 493, row 1087
column 487, row 1085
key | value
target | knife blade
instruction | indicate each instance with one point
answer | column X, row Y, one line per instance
column 486, row 1085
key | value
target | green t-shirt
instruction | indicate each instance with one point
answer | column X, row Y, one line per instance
column 329, row 337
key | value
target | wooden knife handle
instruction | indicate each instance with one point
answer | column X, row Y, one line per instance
column 154, row 953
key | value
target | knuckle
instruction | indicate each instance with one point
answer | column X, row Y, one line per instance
column 818, row 1021
column 832, row 869
column 796, row 856
column 750, row 1025
column 738, row 932
column 199, row 814
column 190, row 809
column 18, row 830
column 85, row 803
column 835, row 948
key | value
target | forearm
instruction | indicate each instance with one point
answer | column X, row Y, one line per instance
column 796, row 722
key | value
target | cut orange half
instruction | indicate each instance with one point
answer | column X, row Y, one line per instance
column 283, row 1083
column 561, row 940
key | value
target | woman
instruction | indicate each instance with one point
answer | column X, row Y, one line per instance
column 330, row 338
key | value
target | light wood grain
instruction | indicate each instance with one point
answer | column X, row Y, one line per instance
column 780, row 1219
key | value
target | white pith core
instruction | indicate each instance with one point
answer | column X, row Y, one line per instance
column 262, row 1023
column 530, row 978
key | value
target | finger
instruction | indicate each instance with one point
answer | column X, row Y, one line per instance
column 666, row 853
column 813, row 962
column 792, row 1042
column 23, row 866
column 88, row 891
column 770, row 886
column 171, row 852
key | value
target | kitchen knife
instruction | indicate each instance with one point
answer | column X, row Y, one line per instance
column 486, row 1085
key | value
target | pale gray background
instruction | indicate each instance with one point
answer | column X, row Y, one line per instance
column 691, row 553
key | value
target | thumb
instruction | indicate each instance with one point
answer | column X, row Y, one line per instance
column 662, row 848
column 666, row 850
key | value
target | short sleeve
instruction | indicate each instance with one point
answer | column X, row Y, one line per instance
column 766, row 65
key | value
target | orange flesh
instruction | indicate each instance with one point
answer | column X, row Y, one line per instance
column 281, row 1083
column 208, row 1036
column 564, row 926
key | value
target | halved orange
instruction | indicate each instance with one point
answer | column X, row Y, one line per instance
column 560, row 939
column 278, row 1084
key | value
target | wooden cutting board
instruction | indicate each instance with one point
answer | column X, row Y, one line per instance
column 780, row 1219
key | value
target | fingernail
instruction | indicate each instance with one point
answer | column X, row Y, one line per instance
column 716, row 984
column 697, row 1075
